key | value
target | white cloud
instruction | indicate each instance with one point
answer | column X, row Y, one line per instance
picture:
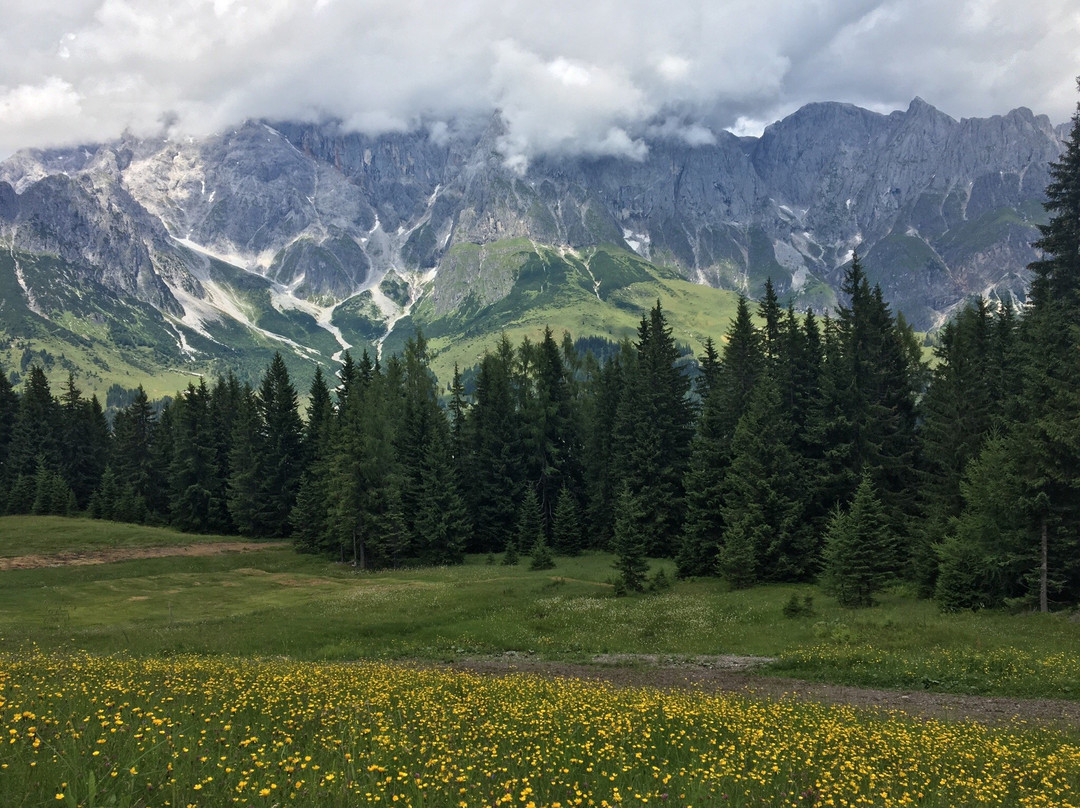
column 569, row 76
column 53, row 101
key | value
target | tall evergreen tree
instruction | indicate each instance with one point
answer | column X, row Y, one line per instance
column 654, row 428
column 530, row 523
column 281, row 448
column 493, row 434
column 566, row 531
column 132, row 451
column 34, row 435
column 630, row 543
column 442, row 522
column 860, row 549
column 244, row 484
column 193, row 462
column 599, row 451
column 763, row 493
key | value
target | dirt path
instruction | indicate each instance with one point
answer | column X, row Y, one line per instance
column 730, row 674
column 76, row 558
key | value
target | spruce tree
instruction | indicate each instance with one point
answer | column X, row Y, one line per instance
column 103, row 502
column 281, row 448
column 542, row 558
column 193, row 462
column 630, row 543
column 245, row 482
column 493, row 475
column 34, row 434
column 763, row 494
column 132, row 448
column 860, row 549
column 566, row 531
column 600, row 413
column 442, row 522
column 530, row 524
column 9, row 407
column 654, row 429
column 1050, row 343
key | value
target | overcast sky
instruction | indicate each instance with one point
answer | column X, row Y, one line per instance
column 568, row 75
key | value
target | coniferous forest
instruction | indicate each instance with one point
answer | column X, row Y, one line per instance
column 803, row 448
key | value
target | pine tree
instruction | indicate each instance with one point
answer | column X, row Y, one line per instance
column 132, row 448
column 103, row 502
column 493, row 476
column 860, row 552
column 654, row 429
column 442, row 522
column 281, row 448
column 763, row 496
column 34, row 434
column 703, row 529
column 958, row 413
column 566, row 531
column 542, row 558
column 193, row 462
column 530, row 525
column 630, row 543
column 1048, row 426
column 600, row 414
column 244, row 485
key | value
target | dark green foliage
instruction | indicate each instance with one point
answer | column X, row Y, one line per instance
column 492, row 466
column 768, row 537
column 530, row 524
column 796, row 607
column 52, row 495
column 542, row 559
column 132, row 447
column 9, row 408
column 511, row 556
column 103, row 502
column 35, row 433
column 83, row 441
column 193, row 465
column 442, row 523
column 566, row 531
column 600, row 413
column 860, row 549
column 654, row 427
column 660, row 581
column 245, row 483
column 630, row 543
column 281, row 456
column 960, row 407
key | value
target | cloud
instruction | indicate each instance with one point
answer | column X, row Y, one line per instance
column 569, row 77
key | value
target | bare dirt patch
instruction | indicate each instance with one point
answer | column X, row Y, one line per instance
column 77, row 558
column 735, row 675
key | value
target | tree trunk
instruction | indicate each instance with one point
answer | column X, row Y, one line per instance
column 1044, row 571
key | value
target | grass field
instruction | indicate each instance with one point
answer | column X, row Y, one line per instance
column 45, row 535
column 272, row 601
column 264, row 678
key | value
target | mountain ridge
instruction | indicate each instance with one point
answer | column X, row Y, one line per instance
column 418, row 227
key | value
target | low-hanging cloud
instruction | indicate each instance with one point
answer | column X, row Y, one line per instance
column 567, row 77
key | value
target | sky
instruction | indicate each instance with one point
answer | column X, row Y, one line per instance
column 568, row 76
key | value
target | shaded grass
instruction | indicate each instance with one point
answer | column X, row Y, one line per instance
column 46, row 535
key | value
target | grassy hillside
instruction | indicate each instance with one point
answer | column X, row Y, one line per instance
column 600, row 292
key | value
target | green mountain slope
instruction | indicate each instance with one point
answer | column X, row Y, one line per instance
column 597, row 292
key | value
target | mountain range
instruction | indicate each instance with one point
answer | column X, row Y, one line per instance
column 163, row 257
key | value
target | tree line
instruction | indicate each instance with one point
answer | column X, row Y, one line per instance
column 803, row 448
